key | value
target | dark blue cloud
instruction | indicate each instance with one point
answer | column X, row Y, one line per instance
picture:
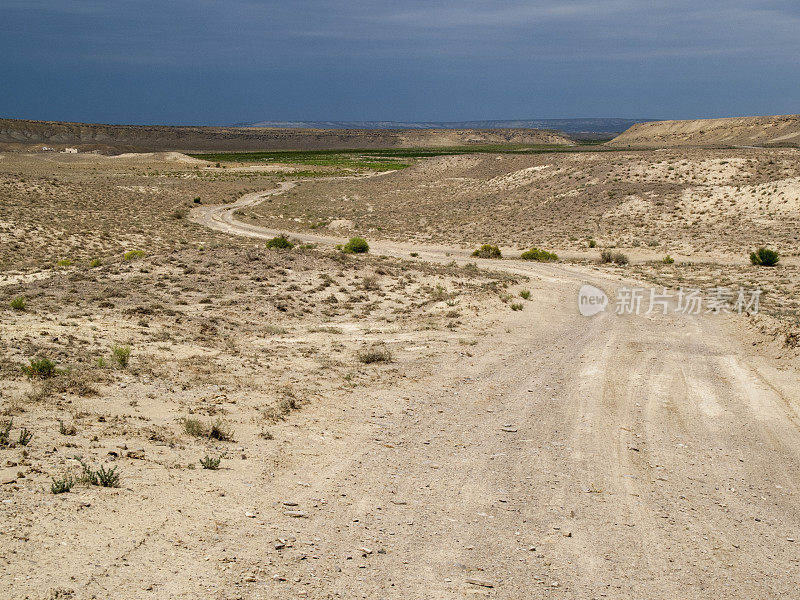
column 217, row 62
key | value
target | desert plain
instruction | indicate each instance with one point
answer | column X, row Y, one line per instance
column 235, row 420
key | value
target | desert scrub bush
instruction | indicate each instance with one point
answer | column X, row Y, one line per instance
column 65, row 429
column 25, row 437
column 133, row 254
column 19, row 303
column 96, row 262
column 285, row 404
column 280, row 243
column 180, row 213
column 101, row 477
column 5, row 433
column 107, row 478
column 525, row 294
column 618, row 258
column 210, row 463
column 356, row 245
column 122, row 355
column 220, row 430
column 194, row 427
column 488, row 251
column 539, row 255
column 591, row 244
column 63, row 485
column 764, row 257
column 40, row 368
column 668, row 260
column 374, row 354
column 516, row 306
column 64, row 262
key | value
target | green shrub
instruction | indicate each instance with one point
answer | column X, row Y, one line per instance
column 607, row 256
column 356, row 245
column 61, row 486
column 592, row 244
column 101, row 477
column 39, row 369
column 280, row 243
column 194, row 427
column 487, row 251
column 96, row 262
column 107, row 478
column 25, row 437
column 374, row 354
column 212, row 464
column 64, row 262
column 668, row 260
column 19, row 303
column 122, row 355
column 525, row 294
column 764, row 257
column 539, row 255
column 516, row 306
column 133, row 254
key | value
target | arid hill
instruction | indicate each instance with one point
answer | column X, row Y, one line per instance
column 739, row 131
column 29, row 135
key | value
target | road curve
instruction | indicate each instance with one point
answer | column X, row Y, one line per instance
column 621, row 457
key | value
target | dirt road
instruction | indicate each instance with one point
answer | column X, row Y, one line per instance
column 562, row 456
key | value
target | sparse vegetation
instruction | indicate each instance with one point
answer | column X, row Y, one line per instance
column 134, row 254
column 280, row 242
column 617, row 258
column 194, row 427
column 525, row 294
column 221, row 431
column 64, row 262
column 516, row 306
column 95, row 262
column 101, row 477
column 764, row 257
column 668, row 260
column 210, row 463
column 39, row 368
column 374, row 354
column 25, row 437
column 215, row 430
column 122, row 355
column 488, row 251
column 592, row 244
column 539, row 255
column 356, row 245
column 65, row 429
column 19, row 303
column 63, row 485
column 5, row 432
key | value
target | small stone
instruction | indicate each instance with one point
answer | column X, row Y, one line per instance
column 480, row 582
column 250, row 515
column 298, row 514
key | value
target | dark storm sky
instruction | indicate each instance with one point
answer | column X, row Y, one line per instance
column 208, row 62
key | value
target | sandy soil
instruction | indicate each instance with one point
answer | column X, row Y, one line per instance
column 498, row 452
column 779, row 130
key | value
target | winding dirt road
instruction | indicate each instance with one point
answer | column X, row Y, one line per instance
column 568, row 457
